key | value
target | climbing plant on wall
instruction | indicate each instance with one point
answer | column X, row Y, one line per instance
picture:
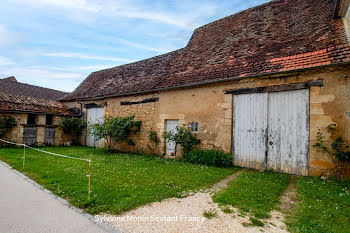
column 74, row 127
column 336, row 150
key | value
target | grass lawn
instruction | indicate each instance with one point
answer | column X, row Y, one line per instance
column 324, row 206
column 255, row 193
column 119, row 182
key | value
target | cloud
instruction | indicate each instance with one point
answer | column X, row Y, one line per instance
column 37, row 73
column 87, row 68
column 144, row 47
column 4, row 61
column 6, row 36
column 84, row 56
column 45, row 77
column 85, row 10
column 155, row 16
column 69, row 4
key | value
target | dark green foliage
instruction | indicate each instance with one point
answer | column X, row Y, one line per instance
column 153, row 137
column 324, row 206
column 74, row 127
column 118, row 182
column 7, row 123
column 116, row 129
column 183, row 137
column 255, row 193
column 210, row 158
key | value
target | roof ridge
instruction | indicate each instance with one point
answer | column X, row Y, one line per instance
column 229, row 16
column 247, row 43
column 20, row 83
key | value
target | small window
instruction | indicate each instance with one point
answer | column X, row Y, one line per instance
column 194, row 127
column 31, row 120
column 48, row 119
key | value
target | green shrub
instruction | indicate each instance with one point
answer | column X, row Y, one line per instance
column 116, row 129
column 210, row 158
column 7, row 123
column 183, row 137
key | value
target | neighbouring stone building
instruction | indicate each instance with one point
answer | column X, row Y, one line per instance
column 260, row 84
column 36, row 111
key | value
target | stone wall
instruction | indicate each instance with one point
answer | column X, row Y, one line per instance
column 16, row 135
column 212, row 109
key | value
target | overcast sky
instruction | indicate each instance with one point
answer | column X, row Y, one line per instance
column 57, row 43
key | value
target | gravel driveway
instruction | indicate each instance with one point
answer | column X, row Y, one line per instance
column 186, row 215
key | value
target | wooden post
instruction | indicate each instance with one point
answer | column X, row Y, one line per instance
column 89, row 179
column 24, row 155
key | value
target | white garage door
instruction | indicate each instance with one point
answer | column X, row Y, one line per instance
column 271, row 131
column 94, row 115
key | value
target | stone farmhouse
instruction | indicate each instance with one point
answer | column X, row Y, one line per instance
column 260, row 84
column 36, row 111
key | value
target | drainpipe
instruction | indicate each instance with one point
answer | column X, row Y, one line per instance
column 335, row 10
column 81, row 109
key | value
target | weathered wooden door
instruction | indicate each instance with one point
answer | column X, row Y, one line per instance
column 288, row 131
column 49, row 137
column 170, row 145
column 250, row 130
column 94, row 115
column 271, row 131
column 29, row 135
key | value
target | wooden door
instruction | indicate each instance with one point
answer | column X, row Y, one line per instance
column 288, row 131
column 170, row 145
column 29, row 135
column 94, row 115
column 250, row 130
column 271, row 131
column 49, row 138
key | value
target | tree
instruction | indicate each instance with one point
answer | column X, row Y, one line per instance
column 183, row 137
column 7, row 123
column 74, row 127
column 116, row 129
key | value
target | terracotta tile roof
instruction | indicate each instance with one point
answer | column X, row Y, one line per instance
column 282, row 35
column 10, row 86
column 21, row 97
column 10, row 103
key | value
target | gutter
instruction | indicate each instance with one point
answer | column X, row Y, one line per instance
column 208, row 82
column 26, row 112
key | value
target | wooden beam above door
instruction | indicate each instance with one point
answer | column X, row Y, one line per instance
column 282, row 87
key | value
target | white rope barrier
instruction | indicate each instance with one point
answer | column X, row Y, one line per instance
column 13, row 143
column 51, row 153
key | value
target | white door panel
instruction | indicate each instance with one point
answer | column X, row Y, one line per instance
column 171, row 127
column 94, row 115
column 271, row 130
column 250, row 130
column 288, row 131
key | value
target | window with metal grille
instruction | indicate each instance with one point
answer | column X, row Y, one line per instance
column 194, row 127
